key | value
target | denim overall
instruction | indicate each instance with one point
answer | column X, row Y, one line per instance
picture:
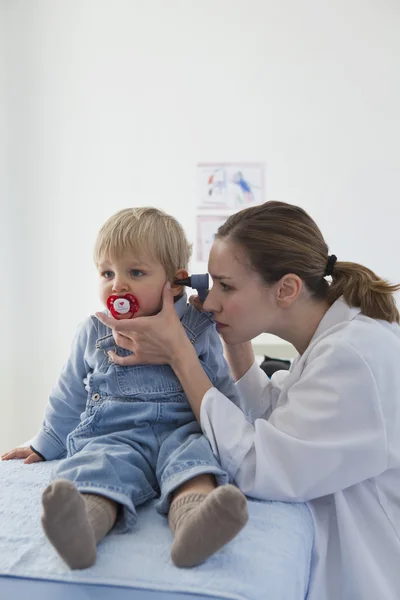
column 137, row 437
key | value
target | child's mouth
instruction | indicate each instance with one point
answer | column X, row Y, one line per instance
column 122, row 307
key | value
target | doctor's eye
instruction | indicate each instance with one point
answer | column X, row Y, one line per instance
column 225, row 287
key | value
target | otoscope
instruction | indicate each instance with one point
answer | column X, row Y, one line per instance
column 198, row 282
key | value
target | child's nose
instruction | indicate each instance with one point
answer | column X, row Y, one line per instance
column 120, row 285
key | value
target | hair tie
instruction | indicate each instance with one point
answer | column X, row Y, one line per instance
column 330, row 265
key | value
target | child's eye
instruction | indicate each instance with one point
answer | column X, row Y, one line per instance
column 136, row 273
column 107, row 274
column 225, row 287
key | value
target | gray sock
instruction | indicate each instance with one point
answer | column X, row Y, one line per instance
column 74, row 523
column 204, row 523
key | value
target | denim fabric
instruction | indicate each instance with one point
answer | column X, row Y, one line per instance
column 128, row 432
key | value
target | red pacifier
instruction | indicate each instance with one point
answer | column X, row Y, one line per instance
column 122, row 307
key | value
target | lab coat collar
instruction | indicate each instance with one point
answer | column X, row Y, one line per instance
column 339, row 312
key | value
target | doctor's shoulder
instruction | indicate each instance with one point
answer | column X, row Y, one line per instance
column 364, row 341
column 378, row 342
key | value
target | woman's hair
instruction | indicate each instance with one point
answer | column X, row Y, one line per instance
column 145, row 232
column 280, row 238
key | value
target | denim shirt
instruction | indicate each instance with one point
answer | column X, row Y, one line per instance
column 89, row 375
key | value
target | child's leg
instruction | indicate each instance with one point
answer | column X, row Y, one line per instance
column 75, row 523
column 204, row 518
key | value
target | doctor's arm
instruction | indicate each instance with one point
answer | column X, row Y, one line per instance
column 240, row 358
column 330, row 434
column 161, row 339
column 260, row 392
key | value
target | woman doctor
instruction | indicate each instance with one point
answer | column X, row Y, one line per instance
column 326, row 432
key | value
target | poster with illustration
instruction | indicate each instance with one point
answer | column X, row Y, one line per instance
column 207, row 226
column 229, row 186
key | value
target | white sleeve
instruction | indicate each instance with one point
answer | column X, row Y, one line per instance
column 328, row 435
column 257, row 393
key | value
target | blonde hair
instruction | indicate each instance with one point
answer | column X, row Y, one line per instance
column 280, row 238
column 146, row 232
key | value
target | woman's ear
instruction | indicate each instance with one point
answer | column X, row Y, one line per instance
column 288, row 289
column 177, row 289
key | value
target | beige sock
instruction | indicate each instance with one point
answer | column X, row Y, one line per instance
column 204, row 523
column 75, row 523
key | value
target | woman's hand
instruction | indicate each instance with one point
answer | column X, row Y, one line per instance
column 153, row 340
column 161, row 340
column 196, row 302
column 27, row 453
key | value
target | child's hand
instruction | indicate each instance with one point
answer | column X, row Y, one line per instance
column 27, row 453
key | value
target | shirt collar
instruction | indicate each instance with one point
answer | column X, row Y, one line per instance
column 339, row 312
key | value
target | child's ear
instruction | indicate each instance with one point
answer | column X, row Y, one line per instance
column 180, row 274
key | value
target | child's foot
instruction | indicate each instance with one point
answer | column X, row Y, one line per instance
column 67, row 526
column 203, row 524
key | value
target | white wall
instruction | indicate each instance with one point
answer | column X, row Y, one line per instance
column 112, row 103
column 7, row 297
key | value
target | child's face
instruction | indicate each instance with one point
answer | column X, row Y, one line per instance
column 127, row 275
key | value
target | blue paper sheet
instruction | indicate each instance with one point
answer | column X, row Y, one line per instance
column 269, row 559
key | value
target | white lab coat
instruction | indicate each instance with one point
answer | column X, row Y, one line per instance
column 326, row 432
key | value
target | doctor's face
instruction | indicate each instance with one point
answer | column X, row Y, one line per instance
column 242, row 304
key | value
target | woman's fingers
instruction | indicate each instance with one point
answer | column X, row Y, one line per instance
column 125, row 341
column 124, row 361
column 114, row 324
column 127, row 326
column 196, row 302
column 168, row 298
column 152, row 339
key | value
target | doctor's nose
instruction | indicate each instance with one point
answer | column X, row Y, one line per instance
column 210, row 304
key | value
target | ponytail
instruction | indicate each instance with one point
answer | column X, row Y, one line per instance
column 280, row 238
column 360, row 287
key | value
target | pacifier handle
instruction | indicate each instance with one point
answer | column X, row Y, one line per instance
column 122, row 305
